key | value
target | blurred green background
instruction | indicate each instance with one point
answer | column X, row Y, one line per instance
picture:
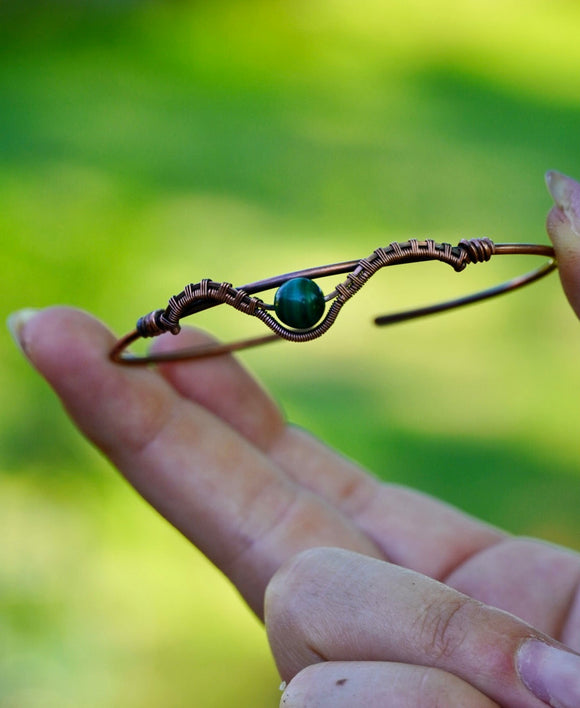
column 145, row 145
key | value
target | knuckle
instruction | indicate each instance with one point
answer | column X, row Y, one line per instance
column 443, row 626
column 286, row 591
column 289, row 609
column 291, row 580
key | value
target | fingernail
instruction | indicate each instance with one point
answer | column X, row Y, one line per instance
column 565, row 192
column 16, row 322
column 550, row 673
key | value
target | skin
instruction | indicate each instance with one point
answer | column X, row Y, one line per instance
column 362, row 606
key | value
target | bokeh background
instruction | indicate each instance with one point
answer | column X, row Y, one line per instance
column 145, row 145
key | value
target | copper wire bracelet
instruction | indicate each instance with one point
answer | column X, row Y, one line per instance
column 300, row 303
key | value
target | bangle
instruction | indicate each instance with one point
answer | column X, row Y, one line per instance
column 300, row 305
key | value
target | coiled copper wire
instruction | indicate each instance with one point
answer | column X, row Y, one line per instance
column 196, row 297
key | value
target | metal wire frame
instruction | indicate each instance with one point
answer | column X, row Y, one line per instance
column 197, row 297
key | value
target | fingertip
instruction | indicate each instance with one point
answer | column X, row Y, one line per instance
column 58, row 336
column 563, row 227
column 565, row 241
column 564, row 218
column 16, row 323
column 109, row 403
column 564, row 190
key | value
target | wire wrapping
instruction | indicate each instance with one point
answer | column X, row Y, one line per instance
column 207, row 293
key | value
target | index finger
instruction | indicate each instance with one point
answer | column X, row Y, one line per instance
column 393, row 516
column 209, row 481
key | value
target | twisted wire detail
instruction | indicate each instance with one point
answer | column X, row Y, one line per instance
column 207, row 292
column 196, row 297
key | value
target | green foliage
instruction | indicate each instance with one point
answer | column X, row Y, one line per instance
column 146, row 145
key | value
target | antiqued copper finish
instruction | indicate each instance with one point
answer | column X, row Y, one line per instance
column 196, row 297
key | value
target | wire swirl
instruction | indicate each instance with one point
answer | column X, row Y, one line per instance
column 207, row 293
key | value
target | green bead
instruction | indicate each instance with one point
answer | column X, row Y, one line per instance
column 299, row 303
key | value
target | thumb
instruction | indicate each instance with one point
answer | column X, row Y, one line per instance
column 563, row 225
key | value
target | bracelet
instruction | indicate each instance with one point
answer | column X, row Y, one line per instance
column 300, row 305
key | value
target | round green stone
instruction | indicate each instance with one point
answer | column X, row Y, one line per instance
column 299, row 303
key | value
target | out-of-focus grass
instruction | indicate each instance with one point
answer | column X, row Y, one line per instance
column 147, row 145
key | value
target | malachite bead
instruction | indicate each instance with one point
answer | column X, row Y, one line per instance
column 299, row 303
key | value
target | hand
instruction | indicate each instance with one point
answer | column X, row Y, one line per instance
column 208, row 448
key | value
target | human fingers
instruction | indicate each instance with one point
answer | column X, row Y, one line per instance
column 334, row 605
column 359, row 684
column 223, row 386
column 537, row 581
column 563, row 225
column 227, row 497
column 394, row 517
